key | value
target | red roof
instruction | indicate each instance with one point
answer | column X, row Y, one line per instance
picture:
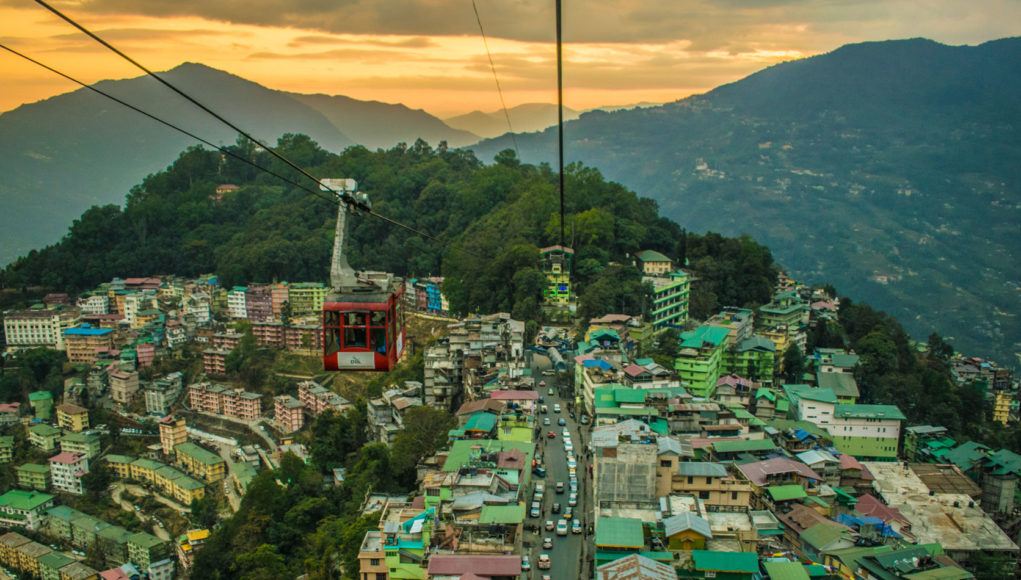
column 66, row 457
column 703, row 442
column 9, row 407
column 480, row 566
column 869, row 505
column 849, row 462
column 635, row 370
column 512, row 459
column 514, row 395
column 114, row 574
column 758, row 471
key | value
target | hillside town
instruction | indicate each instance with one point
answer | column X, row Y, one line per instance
column 580, row 451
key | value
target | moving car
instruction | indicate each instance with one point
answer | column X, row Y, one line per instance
column 572, row 500
column 547, row 543
column 560, row 487
column 568, row 446
column 542, row 384
column 576, row 527
column 545, row 421
column 551, row 435
column 561, row 422
column 549, row 525
column 549, row 392
column 536, row 510
column 562, row 528
column 556, row 508
column 544, row 562
column 526, row 564
column 556, row 407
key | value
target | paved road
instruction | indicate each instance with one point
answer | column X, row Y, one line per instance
column 118, row 489
column 569, row 552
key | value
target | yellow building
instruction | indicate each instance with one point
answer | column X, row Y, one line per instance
column 204, row 465
column 28, row 557
column 120, row 465
column 9, row 544
column 72, row 417
column 144, row 470
column 1001, row 407
column 173, row 432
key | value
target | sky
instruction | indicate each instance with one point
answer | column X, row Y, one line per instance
column 429, row 54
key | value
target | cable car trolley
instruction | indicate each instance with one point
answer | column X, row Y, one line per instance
column 363, row 316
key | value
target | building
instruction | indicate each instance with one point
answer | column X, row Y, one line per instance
column 42, row 404
column 739, row 323
column 33, row 476
column 259, row 303
column 87, row 444
column 123, row 386
column 555, row 262
column 24, row 508
column 83, row 343
column 787, row 309
column 699, row 359
column 44, row 436
column 204, row 465
column 317, row 399
column 753, row 358
column 51, row 564
column 712, row 484
column 72, row 417
column 236, row 403
column 189, row 543
column 306, row 297
column 236, row 303
column 670, row 294
column 868, row 432
column 289, row 413
column 653, row 263
column 146, row 549
column 120, row 465
column 38, row 328
column 66, row 471
column 173, row 432
column 6, row 449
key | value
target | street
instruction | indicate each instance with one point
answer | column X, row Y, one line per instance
column 569, row 555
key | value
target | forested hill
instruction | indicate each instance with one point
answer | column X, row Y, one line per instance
column 489, row 223
column 888, row 169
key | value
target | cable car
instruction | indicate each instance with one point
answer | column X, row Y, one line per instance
column 363, row 315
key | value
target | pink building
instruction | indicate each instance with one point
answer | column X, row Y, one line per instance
column 66, row 471
column 237, row 403
column 317, row 398
column 289, row 412
column 146, row 353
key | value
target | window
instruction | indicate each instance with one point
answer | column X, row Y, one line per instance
column 374, row 561
column 664, row 463
column 703, row 495
column 733, row 495
column 691, row 480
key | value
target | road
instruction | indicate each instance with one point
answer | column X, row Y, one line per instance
column 570, row 554
column 118, row 489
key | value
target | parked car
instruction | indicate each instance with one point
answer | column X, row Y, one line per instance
column 539, row 471
column 536, row 509
column 571, row 463
column 584, row 419
column 572, row 500
column 542, row 384
column 551, row 435
column 549, row 525
column 545, row 421
column 576, row 527
column 549, row 392
column 526, row 564
column 556, row 508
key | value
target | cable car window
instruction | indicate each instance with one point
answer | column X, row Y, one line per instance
column 378, row 318
column 332, row 340
column 354, row 319
column 332, row 318
column 355, row 337
column 379, row 339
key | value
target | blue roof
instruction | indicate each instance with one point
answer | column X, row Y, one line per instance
column 598, row 363
column 87, row 330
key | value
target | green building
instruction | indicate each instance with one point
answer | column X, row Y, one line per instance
column 669, row 300
column 25, row 509
column 787, row 309
column 57, row 521
column 6, row 449
column 753, row 358
column 87, row 444
column 618, row 538
column 699, row 361
column 867, row 432
column 33, row 476
column 44, row 436
column 144, row 549
column 50, row 565
column 405, row 545
column 42, row 404
column 113, row 541
column 721, row 565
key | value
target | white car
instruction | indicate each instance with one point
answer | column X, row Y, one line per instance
column 549, row 525
column 556, row 407
column 536, row 510
column 565, row 433
column 526, row 564
column 571, row 463
column 568, row 447
column 576, row 527
column 572, row 500
column 562, row 528
column 547, row 543
column 572, row 473
column 545, row 421
column 544, row 563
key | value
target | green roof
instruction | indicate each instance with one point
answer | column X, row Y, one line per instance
column 744, row 446
column 628, row 396
column 850, row 556
column 189, row 484
column 502, row 514
column 147, row 464
column 34, row 468
column 115, row 534
column 619, row 533
column 169, row 473
column 144, row 540
column 54, row 560
column 869, row 412
column 600, row 333
column 244, row 472
column 62, row 512
column 785, row 570
column 652, row 256
column 740, row 562
column 44, row 430
column 713, row 335
column 461, row 451
column 40, row 396
column 197, row 453
column 843, row 384
column 631, row 411
column 822, row 534
column 481, row 421
column 765, row 392
column 786, row 492
column 24, row 500
column 113, row 458
column 1004, row 462
column 944, row 573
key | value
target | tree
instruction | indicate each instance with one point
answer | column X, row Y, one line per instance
column 793, row 364
column 425, row 430
column 205, row 511
column 98, row 479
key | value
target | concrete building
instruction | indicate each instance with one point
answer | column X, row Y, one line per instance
column 713, row 485
column 145, row 549
column 699, row 360
column 317, row 399
column 670, row 294
column 87, row 444
column 173, row 432
column 123, row 386
column 72, row 417
column 653, row 263
column 38, row 328
column 84, row 341
column 868, row 432
column 204, row 465
column 33, row 476
column 42, row 404
column 236, row 303
column 44, row 436
column 67, row 470
column 24, row 508
column 288, row 412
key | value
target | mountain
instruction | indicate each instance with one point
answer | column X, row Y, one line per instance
column 889, row 169
column 62, row 155
column 364, row 122
column 524, row 118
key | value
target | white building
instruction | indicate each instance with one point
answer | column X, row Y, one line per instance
column 196, row 308
column 94, row 304
column 39, row 328
column 66, row 471
column 868, row 432
column 236, row 307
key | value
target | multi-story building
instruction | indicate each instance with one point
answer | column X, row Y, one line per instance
column 24, row 508
column 306, row 297
column 711, row 483
column 97, row 303
column 317, row 399
column 670, row 294
column 87, row 444
column 157, row 400
column 443, row 384
column 653, row 263
column 752, row 358
column 699, row 359
column 236, row 302
column 279, row 295
column 67, row 470
column 189, row 543
column 241, row 404
column 120, row 464
column 84, row 341
column 214, row 362
column 205, row 465
column 196, row 308
column 38, row 328
column 43, row 436
column 555, row 262
column 33, row 476
column 72, row 417
column 288, row 412
column 259, row 303
column 6, row 449
column 176, row 334
column 123, row 386
column 811, row 404
column 868, row 432
column 173, row 432
column 145, row 549
column 787, row 309
column 42, row 404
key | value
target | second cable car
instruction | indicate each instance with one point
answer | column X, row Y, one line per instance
column 363, row 315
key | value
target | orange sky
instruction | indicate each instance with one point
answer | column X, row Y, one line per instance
column 428, row 53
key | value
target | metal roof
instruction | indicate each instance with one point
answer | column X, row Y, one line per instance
column 701, row 469
column 686, row 521
column 619, row 533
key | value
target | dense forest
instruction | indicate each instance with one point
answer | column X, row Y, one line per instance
column 487, row 224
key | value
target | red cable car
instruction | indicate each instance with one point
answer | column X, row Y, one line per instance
column 363, row 316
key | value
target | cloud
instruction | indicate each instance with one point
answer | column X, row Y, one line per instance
column 397, row 42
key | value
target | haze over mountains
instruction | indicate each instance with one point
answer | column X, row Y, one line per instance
column 890, row 169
